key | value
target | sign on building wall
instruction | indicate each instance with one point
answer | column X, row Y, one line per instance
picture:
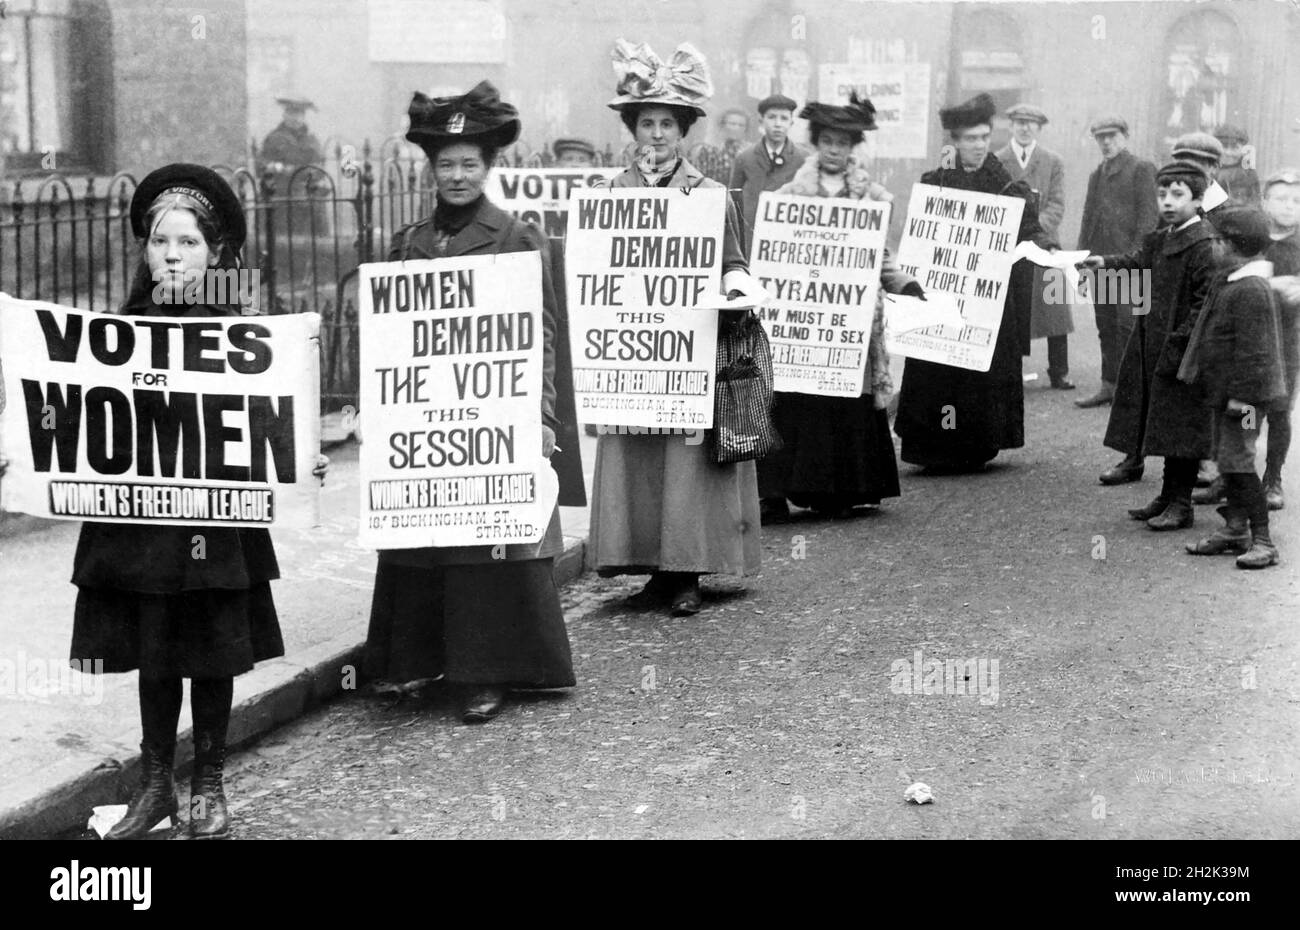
column 899, row 92
column 445, row 32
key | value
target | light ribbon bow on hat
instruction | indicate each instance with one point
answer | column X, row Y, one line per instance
column 642, row 74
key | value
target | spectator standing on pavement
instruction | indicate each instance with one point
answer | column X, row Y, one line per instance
column 144, row 600
column 1119, row 210
column 574, row 153
column 660, row 504
column 1240, row 182
column 838, row 453
column 1235, row 355
column 1026, row 159
column 953, row 419
column 716, row 162
column 1153, row 412
column 484, row 620
column 770, row 162
column 288, row 147
column 1282, row 206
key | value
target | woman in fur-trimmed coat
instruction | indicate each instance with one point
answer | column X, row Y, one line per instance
column 838, row 452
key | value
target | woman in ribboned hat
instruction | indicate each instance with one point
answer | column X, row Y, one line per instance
column 484, row 620
column 145, row 600
column 838, row 453
column 660, row 505
column 953, row 419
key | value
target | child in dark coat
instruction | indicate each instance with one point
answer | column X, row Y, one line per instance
column 1282, row 204
column 1235, row 356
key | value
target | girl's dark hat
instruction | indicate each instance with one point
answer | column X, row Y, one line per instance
column 478, row 116
column 859, row 115
column 204, row 185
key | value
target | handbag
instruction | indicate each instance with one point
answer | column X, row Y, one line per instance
column 742, row 395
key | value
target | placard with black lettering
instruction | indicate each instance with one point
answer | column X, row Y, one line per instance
column 819, row 258
column 541, row 195
column 203, row 421
column 452, row 355
column 640, row 262
column 961, row 243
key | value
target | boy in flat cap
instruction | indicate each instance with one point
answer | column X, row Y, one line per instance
column 1153, row 412
column 1241, row 183
column 574, row 153
column 1044, row 171
column 1282, row 205
column 1235, row 356
column 769, row 163
column 1120, row 208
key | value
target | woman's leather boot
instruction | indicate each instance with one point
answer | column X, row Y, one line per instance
column 154, row 800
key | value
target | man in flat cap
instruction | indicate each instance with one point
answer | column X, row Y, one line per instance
column 1241, row 183
column 769, row 163
column 1119, row 210
column 574, row 153
column 1044, row 171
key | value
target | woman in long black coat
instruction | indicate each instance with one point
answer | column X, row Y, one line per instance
column 144, row 601
column 954, row 419
column 482, row 621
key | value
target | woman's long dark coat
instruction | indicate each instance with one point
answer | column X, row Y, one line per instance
column 464, row 612
column 1153, row 412
column 984, row 410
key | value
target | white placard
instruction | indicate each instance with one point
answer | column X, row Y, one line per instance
column 196, row 421
column 819, row 260
column 452, row 355
column 541, row 195
column 639, row 261
column 962, row 243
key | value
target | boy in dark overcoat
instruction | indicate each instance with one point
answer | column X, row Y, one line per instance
column 1236, row 357
column 1154, row 413
column 1282, row 204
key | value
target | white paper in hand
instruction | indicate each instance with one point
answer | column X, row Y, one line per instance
column 904, row 313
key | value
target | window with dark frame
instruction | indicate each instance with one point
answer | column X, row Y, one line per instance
column 55, row 87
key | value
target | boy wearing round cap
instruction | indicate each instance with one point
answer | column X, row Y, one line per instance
column 1235, row 356
column 1044, row 171
column 1282, row 205
column 574, row 153
column 1120, row 208
column 1241, row 183
column 1206, row 152
column 1153, row 412
column 769, row 163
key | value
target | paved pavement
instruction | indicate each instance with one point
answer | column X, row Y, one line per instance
column 1137, row 691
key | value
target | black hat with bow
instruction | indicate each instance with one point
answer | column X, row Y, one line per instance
column 479, row 116
column 977, row 111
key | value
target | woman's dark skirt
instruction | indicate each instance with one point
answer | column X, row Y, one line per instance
column 205, row 633
column 496, row 623
column 838, row 453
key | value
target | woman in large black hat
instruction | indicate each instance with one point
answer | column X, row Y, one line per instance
column 466, row 614
column 838, row 452
column 144, row 601
column 660, row 505
column 953, row 419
